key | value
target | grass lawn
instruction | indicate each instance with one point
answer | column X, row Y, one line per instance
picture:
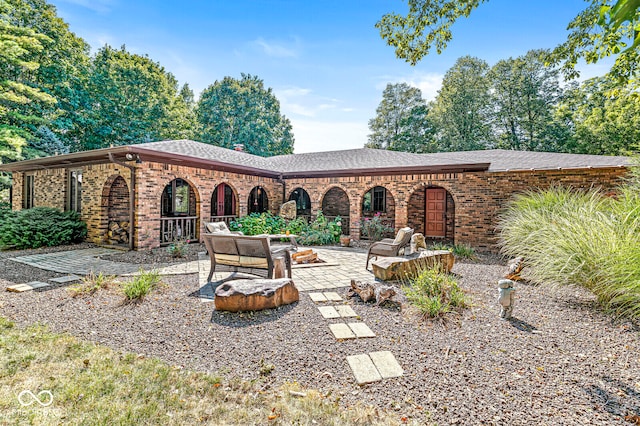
column 92, row 384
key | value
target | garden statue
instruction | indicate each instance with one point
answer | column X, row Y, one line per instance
column 288, row 210
column 514, row 268
column 418, row 242
column 506, row 298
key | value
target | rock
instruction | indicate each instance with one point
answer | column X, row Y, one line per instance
column 403, row 268
column 288, row 210
column 255, row 295
column 418, row 242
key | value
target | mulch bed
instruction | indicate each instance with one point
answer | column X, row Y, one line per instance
column 559, row 361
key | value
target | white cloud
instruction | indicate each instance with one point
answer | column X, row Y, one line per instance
column 277, row 50
column 428, row 83
column 315, row 136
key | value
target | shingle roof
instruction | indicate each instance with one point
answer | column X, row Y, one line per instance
column 336, row 163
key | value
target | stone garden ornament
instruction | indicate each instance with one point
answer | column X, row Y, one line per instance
column 506, row 298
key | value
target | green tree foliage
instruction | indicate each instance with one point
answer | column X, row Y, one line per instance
column 133, row 100
column 462, row 109
column 19, row 53
column 604, row 28
column 402, row 122
column 242, row 111
column 62, row 71
column 603, row 120
column 525, row 91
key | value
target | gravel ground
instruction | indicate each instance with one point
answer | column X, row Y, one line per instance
column 559, row 361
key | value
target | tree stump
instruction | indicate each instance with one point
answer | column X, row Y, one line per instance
column 255, row 295
column 404, row 268
column 368, row 292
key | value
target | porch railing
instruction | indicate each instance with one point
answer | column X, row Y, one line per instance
column 178, row 228
column 345, row 223
column 226, row 219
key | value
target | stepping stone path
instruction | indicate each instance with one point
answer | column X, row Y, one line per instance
column 367, row 368
column 34, row 285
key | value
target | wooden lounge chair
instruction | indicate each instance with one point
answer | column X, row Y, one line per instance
column 239, row 253
column 390, row 247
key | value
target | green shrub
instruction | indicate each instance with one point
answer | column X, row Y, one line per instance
column 373, row 228
column 259, row 223
column 178, row 248
column 435, row 293
column 40, row 226
column 141, row 285
column 321, row 231
column 580, row 239
column 297, row 226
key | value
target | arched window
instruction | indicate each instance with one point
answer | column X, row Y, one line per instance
column 258, row 201
column 303, row 202
column 178, row 199
column 375, row 200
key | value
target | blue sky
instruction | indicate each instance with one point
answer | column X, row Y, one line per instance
column 324, row 59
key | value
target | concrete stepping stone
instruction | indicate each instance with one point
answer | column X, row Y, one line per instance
column 386, row 364
column 66, row 279
column 318, row 297
column 332, row 296
column 345, row 311
column 341, row 331
column 363, row 369
column 361, row 329
column 328, row 312
column 20, row 288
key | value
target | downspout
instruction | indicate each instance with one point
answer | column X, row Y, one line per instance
column 132, row 197
column 284, row 188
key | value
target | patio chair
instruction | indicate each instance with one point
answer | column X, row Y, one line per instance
column 390, row 247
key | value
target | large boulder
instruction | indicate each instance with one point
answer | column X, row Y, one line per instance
column 255, row 295
column 289, row 210
column 404, row 268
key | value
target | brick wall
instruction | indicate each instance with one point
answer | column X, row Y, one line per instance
column 473, row 202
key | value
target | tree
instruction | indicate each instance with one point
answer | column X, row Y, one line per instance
column 525, row 93
column 401, row 123
column 605, row 28
column 462, row 109
column 603, row 121
column 62, row 71
column 242, row 111
column 132, row 100
column 19, row 50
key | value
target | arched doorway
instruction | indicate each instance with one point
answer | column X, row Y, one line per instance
column 303, row 202
column 336, row 203
column 431, row 211
column 378, row 201
column 223, row 204
column 118, row 213
column 258, row 200
column 179, row 217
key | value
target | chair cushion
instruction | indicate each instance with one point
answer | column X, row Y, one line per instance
column 402, row 233
column 244, row 261
column 216, row 227
column 228, row 259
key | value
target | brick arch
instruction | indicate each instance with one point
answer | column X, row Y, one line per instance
column 389, row 216
column 236, row 195
column 300, row 212
column 417, row 211
column 343, row 211
column 269, row 196
column 115, row 204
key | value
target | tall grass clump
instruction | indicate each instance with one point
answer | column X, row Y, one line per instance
column 435, row 293
column 575, row 238
column 141, row 285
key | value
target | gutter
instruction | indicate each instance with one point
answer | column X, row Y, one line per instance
column 132, row 197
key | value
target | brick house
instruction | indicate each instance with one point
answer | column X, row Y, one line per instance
column 176, row 186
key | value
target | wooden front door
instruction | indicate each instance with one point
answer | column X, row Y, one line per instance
column 435, row 212
column 220, row 200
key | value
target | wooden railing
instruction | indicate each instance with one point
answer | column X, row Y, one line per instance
column 344, row 221
column 178, row 229
column 225, row 219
